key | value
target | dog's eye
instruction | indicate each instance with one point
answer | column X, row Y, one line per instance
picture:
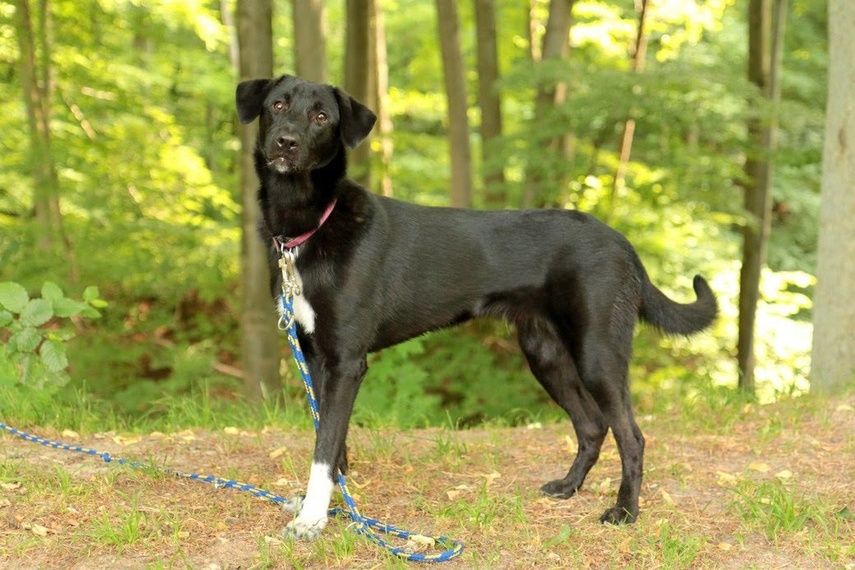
column 279, row 106
column 321, row 117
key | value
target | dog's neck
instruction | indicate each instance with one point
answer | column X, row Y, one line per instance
column 293, row 203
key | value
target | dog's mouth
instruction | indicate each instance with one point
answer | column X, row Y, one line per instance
column 282, row 164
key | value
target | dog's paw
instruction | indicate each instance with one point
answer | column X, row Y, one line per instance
column 558, row 489
column 301, row 529
column 618, row 515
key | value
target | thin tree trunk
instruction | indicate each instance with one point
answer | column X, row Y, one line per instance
column 765, row 38
column 489, row 100
column 260, row 336
column 638, row 59
column 33, row 40
column 310, row 48
column 555, row 46
column 455, row 89
column 384, row 119
column 360, row 79
column 833, row 356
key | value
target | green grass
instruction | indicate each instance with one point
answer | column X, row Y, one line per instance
column 439, row 481
column 776, row 508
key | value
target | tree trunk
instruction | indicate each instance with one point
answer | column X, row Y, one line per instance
column 258, row 317
column 34, row 42
column 556, row 45
column 455, row 89
column 489, row 101
column 833, row 356
column 765, row 39
column 360, row 79
column 310, row 48
column 383, row 130
column 638, row 59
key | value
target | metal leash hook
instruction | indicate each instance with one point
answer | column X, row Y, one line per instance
column 290, row 284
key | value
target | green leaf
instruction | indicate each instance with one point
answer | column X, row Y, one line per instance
column 91, row 294
column 25, row 341
column 37, row 312
column 51, row 291
column 6, row 318
column 13, row 296
column 53, row 355
column 66, row 307
column 24, row 363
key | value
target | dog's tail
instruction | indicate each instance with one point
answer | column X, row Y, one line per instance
column 678, row 318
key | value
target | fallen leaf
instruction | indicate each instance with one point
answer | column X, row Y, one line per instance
column 844, row 408
column 127, row 439
column 490, row 477
column 725, row 479
column 231, row 430
column 784, row 475
column 724, row 546
column 70, row 433
column 759, row 467
column 571, row 444
column 666, row 497
column 277, row 452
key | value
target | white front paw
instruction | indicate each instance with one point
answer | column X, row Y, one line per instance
column 303, row 529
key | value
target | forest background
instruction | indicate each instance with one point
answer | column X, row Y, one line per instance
column 145, row 188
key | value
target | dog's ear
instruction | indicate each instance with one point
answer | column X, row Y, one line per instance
column 356, row 121
column 249, row 98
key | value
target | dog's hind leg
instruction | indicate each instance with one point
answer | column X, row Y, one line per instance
column 554, row 368
column 604, row 366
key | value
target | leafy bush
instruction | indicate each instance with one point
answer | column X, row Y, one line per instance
column 33, row 334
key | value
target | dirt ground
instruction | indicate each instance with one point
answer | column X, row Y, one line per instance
column 703, row 502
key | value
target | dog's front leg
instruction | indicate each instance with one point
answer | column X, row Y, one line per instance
column 339, row 389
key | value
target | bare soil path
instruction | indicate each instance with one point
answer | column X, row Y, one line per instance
column 764, row 487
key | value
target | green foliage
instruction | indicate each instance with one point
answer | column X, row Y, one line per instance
column 776, row 508
column 34, row 336
column 143, row 136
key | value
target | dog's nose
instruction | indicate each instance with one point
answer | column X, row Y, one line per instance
column 286, row 142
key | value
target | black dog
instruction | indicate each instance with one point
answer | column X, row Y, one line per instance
column 375, row 272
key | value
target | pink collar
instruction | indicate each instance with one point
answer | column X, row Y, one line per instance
column 291, row 243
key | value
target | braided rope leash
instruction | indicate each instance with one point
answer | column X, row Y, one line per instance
column 363, row 525
column 219, row 483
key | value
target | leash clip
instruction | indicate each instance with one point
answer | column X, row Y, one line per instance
column 288, row 266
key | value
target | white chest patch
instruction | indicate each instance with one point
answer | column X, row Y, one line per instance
column 303, row 311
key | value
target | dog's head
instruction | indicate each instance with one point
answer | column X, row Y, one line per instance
column 302, row 125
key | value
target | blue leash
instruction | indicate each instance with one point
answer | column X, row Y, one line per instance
column 363, row 525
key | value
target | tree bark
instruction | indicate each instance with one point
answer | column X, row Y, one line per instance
column 260, row 336
column 310, row 47
column 33, row 40
column 455, row 89
column 490, row 101
column 833, row 356
column 765, row 38
column 360, row 78
column 556, row 45
column 638, row 59
column 383, row 129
